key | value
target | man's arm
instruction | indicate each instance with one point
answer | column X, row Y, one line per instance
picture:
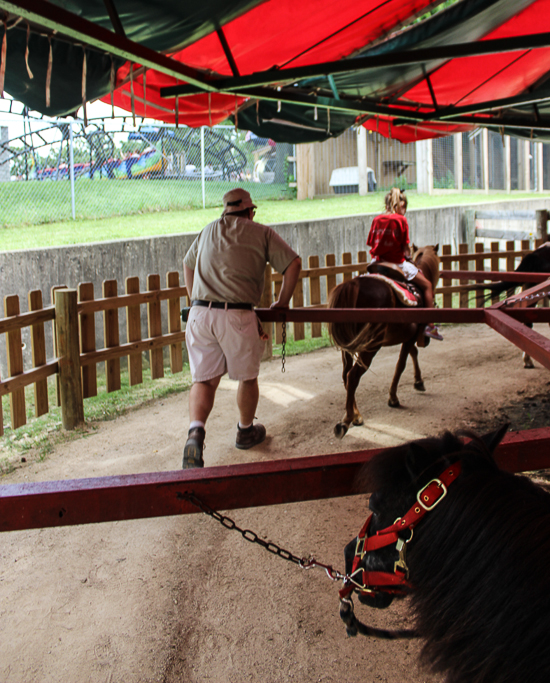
column 188, row 276
column 290, row 278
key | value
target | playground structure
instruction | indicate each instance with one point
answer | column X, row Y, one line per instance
column 119, row 150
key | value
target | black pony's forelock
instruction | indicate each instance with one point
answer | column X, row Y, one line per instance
column 386, row 469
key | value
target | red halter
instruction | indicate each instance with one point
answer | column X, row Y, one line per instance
column 370, row 582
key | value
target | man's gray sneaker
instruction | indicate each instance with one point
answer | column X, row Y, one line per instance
column 252, row 436
column 192, row 453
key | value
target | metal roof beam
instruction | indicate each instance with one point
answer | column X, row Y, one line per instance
column 504, row 103
column 297, row 96
column 481, row 122
column 57, row 19
column 422, row 55
column 115, row 19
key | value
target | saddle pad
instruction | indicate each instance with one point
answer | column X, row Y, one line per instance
column 404, row 295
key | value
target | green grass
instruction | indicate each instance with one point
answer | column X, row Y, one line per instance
column 294, row 348
column 163, row 218
column 38, row 202
column 35, row 440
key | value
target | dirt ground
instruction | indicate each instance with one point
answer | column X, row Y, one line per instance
column 184, row 599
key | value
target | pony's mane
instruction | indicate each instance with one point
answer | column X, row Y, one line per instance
column 480, row 567
column 388, row 469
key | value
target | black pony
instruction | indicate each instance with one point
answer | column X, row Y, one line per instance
column 477, row 562
column 537, row 261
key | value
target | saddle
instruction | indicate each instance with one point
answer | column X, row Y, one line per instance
column 387, row 269
column 408, row 293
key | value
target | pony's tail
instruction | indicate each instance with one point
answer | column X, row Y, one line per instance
column 351, row 337
column 494, row 289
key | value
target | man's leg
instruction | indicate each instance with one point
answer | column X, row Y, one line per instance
column 248, row 434
column 248, row 395
column 201, row 402
column 201, row 399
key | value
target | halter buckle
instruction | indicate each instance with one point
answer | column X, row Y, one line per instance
column 422, row 503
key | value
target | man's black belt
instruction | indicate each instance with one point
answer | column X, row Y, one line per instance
column 221, row 304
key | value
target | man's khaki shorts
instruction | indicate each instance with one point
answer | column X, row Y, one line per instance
column 220, row 341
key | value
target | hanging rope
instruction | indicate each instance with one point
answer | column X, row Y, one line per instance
column 112, row 85
column 177, row 111
column 49, row 74
column 315, row 114
column 328, row 120
column 83, row 85
column 3, row 57
column 236, row 114
column 27, row 51
column 258, row 112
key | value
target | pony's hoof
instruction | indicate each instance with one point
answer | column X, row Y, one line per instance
column 528, row 364
column 340, row 430
column 394, row 403
column 419, row 386
column 358, row 421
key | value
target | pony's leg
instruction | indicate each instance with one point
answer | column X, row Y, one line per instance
column 351, row 382
column 347, row 363
column 418, row 381
column 527, row 360
column 401, row 364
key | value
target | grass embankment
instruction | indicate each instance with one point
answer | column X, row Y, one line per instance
column 35, row 440
column 152, row 219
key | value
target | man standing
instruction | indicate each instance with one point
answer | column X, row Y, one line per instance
column 224, row 274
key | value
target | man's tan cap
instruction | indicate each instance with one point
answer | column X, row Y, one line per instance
column 237, row 200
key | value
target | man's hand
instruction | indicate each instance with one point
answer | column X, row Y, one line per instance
column 290, row 278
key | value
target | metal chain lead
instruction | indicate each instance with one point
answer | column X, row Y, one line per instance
column 252, row 537
column 283, row 350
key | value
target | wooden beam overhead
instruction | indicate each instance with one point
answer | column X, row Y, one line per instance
column 115, row 19
column 417, row 56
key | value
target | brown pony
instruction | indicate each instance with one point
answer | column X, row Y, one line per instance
column 360, row 342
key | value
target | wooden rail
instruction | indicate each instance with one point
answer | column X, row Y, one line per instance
column 157, row 310
column 138, row 496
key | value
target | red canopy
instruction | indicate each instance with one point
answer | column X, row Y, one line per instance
column 310, row 69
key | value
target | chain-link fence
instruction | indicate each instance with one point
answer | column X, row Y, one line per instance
column 58, row 170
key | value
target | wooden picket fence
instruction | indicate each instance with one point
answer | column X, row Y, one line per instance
column 72, row 315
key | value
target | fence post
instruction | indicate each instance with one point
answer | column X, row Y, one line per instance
column 362, row 160
column 541, row 219
column 38, row 346
column 68, row 349
column 14, row 350
column 470, row 228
